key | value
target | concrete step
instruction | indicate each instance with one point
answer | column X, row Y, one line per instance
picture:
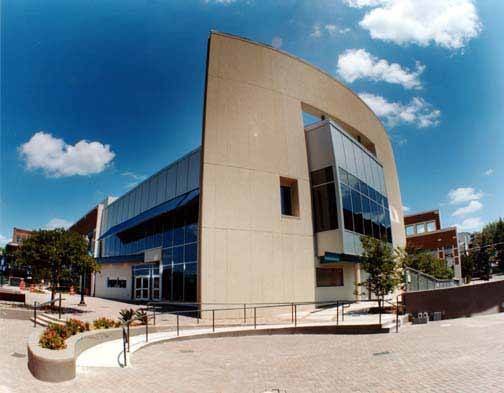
column 45, row 319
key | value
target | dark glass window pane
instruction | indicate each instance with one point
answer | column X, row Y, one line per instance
column 385, row 202
column 363, row 187
column 178, row 283
column 191, row 253
column 343, row 175
column 357, row 212
column 372, row 193
column 324, row 208
column 178, row 232
column 346, row 197
column 167, row 284
column 286, row 200
column 190, row 278
column 167, row 233
column 178, row 254
column 322, row 176
column 329, row 277
column 376, row 220
column 366, row 215
column 167, row 256
column 353, row 181
column 191, row 233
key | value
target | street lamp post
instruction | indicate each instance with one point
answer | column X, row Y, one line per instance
column 82, row 302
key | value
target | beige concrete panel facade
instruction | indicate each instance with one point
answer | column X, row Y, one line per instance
column 114, row 271
column 345, row 292
column 254, row 135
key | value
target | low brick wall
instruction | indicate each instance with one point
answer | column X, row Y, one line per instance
column 12, row 296
column 462, row 301
column 59, row 365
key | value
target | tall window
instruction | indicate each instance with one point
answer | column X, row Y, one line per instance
column 325, row 214
column 365, row 210
column 289, row 197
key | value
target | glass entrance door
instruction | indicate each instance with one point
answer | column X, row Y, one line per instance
column 142, row 287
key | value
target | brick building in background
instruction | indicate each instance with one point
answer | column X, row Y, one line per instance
column 18, row 237
column 424, row 232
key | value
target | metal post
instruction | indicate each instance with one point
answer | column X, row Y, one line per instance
column 177, row 324
column 147, row 330
column 82, row 302
column 35, row 314
column 59, row 306
column 244, row 314
column 397, row 315
column 337, row 312
column 295, row 315
column 379, row 309
column 128, row 338
column 154, row 314
column 255, row 320
column 213, row 320
column 124, row 347
column 342, row 312
column 292, row 312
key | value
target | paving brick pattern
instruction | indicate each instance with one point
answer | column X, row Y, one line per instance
column 464, row 355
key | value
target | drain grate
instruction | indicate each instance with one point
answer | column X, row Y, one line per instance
column 186, row 351
column 381, row 353
column 18, row 355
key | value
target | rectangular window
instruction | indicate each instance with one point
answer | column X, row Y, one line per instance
column 324, row 208
column 410, row 230
column 366, row 214
column 178, row 283
column 357, row 212
column 420, row 228
column 431, row 226
column 346, row 197
column 190, row 278
column 289, row 197
column 329, row 277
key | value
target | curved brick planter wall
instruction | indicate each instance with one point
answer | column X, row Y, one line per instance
column 58, row 366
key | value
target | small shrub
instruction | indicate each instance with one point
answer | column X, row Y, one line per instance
column 60, row 330
column 126, row 314
column 50, row 339
column 75, row 326
column 105, row 323
column 142, row 316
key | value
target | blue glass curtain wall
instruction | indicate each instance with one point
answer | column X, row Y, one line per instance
column 365, row 210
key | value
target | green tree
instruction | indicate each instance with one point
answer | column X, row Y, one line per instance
column 467, row 262
column 427, row 263
column 55, row 255
column 380, row 261
column 482, row 253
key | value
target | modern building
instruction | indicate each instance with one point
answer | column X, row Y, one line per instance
column 6, row 265
column 424, row 232
column 464, row 240
column 266, row 210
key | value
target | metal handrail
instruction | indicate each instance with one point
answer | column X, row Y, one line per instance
column 41, row 305
column 126, row 329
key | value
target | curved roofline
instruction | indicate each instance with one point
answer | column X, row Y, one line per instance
column 300, row 59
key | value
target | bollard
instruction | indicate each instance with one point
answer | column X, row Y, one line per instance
column 213, row 320
column 255, row 320
column 124, row 347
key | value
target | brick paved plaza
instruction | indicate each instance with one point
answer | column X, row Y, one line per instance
column 464, row 355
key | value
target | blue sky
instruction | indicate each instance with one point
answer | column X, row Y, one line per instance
column 96, row 97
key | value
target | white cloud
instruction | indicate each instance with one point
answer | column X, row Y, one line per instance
column 135, row 179
column 58, row 223
column 417, row 112
column 4, row 240
column 356, row 64
column 447, row 23
column 470, row 224
column 489, row 172
column 472, row 207
column 57, row 158
column 463, row 194
column 406, row 209
column 320, row 29
column 277, row 42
